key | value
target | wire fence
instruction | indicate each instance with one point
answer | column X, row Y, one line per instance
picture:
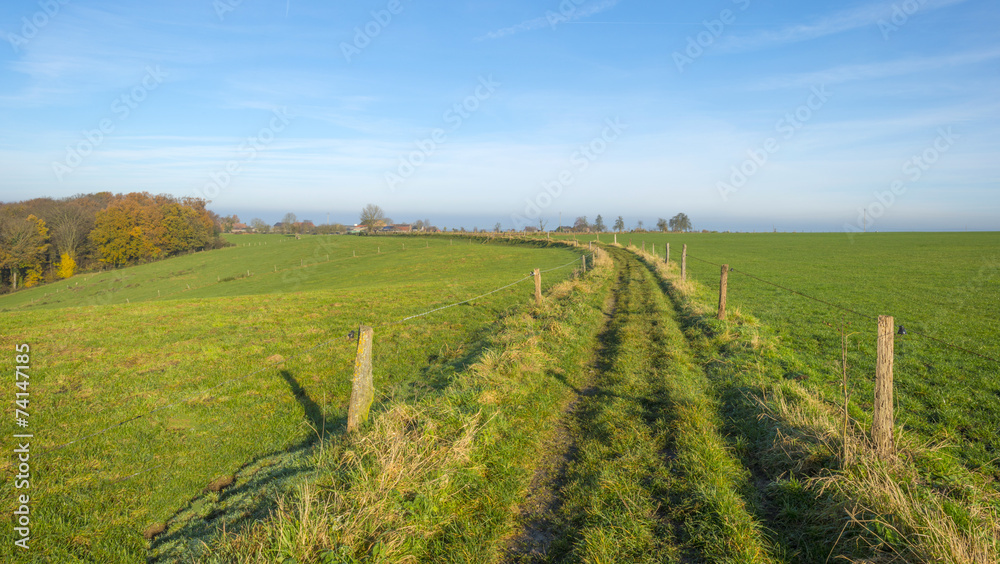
column 945, row 389
column 273, row 365
column 847, row 309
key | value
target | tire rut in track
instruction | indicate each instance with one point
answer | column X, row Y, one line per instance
column 543, row 500
column 632, row 319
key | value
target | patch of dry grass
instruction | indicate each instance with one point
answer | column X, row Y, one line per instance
column 386, row 487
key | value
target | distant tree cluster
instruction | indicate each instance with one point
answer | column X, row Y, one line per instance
column 46, row 239
column 680, row 222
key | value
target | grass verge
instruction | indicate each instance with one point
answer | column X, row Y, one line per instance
column 435, row 478
column 924, row 506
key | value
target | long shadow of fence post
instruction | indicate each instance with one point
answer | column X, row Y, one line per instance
column 312, row 411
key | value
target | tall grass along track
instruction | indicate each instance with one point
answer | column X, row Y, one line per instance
column 433, row 478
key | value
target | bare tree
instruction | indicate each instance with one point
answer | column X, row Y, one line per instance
column 541, row 224
column 372, row 217
column 69, row 227
column 288, row 222
column 259, row 225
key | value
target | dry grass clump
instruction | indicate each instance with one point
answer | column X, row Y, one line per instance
column 908, row 513
column 377, row 492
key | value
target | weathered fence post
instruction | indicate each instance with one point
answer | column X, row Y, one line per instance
column 684, row 262
column 653, row 249
column 644, row 246
column 616, row 238
column 667, row 259
column 722, row 291
column 362, row 389
column 882, row 422
column 538, row 287
column 583, row 261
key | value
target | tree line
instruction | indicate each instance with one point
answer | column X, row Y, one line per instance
column 680, row 222
column 46, row 239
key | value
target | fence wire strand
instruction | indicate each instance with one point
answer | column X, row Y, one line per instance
column 516, row 282
column 189, row 395
column 849, row 310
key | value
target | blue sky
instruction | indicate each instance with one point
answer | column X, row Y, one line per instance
column 743, row 114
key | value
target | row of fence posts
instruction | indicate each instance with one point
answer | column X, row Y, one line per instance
column 363, row 392
column 882, row 412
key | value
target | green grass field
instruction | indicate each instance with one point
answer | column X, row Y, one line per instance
column 667, row 435
column 199, row 367
column 944, row 285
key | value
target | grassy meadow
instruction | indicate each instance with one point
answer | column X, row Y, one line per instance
column 617, row 421
column 236, row 373
column 943, row 285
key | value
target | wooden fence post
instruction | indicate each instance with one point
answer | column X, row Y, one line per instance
column 882, row 422
column 653, row 249
column 643, row 246
column 684, row 262
column 583, row 261
column 667, row 259
column 362, row 389
column 538, row 287
column 723, row 281
column 616, row 238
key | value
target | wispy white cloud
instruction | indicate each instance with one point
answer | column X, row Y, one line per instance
column 552, row 19
column 873, row 71
column 846, row 20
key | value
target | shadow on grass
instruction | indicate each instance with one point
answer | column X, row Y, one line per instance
column 253, row 495
column 261, row 482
